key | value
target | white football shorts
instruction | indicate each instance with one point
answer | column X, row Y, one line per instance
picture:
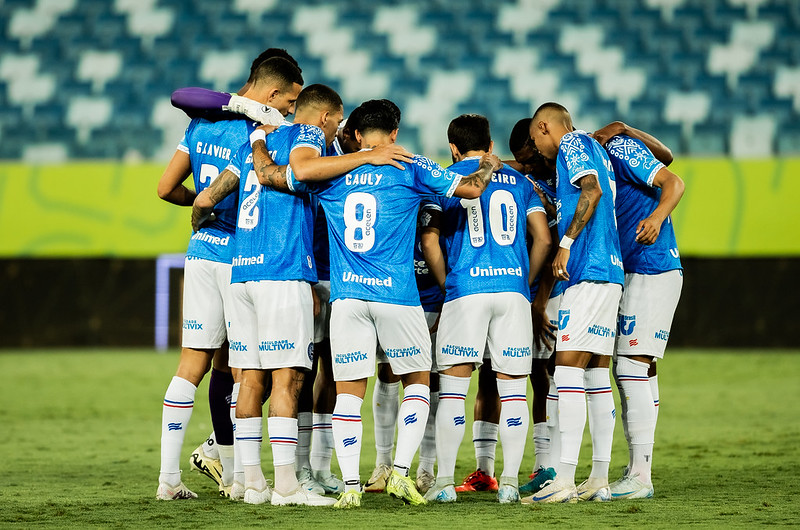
column 551, row 310
column 645, row 312
column 272, row 325
column 500, row 322
column 322, row 322
column 587, row 318
column 430, row 320
column 206, row 297
column 357, row 326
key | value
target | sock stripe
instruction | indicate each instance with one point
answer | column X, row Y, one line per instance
column 571, row 389
column 345, row 417
column 178, row 404
column 452, row 395
column 600, row 390
column 640, row 378
column 322, row 426
column 490, row 440
column 249, row 438
column 417, row 398
column 282, row 440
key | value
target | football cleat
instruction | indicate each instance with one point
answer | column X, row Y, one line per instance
column 329, row 482
column 307, row 481
column 377, row 481
column 556, row 491
column 300, row 496
column 477, row 481
column 254, row 496
column 446, row 493
column 210, row 467
column 594, row 489
column 507, row 494
column 630, row 487
column 541, row 478
column 166, row 492
column 237, row 491
column 403, row 488
column 424, row 481
column 348, row 499
column 225, row 491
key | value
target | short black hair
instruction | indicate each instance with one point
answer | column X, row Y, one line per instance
column 353, row 120
column 269, row 53
column 470, row 132
column 319, row 95
column 551, row 105
column 378, row 114
column 278, row 69
column 520, row 135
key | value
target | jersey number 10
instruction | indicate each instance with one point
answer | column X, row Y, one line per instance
column 502, row 219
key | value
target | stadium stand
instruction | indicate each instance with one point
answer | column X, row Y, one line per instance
column 696, row 72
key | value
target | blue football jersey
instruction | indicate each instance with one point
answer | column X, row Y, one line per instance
column 275, row 230
column 371, row 215
column 548, row 186
column 486, row 237
column 635, row 167
column 595, row 254
column 211, row 146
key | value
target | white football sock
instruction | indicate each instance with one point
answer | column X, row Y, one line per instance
column 571, row 418
column 321, row 444
column 385, row 398
column 412, row 420
column 623, row 407
column 450, row 423
column 248, row 437
column 427, row 449
column 484, row 439
column 304, row 427
column 226, row 458
column 541, row 445
column 641, row 416
column 552, row 427
column 238, row 469
column 600, row 404
column 175, row 415
column 654, row 392
column 210, row 446
column 283, row 440
column 347, row 435
column 514, row 420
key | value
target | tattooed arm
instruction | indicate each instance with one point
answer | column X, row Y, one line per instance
column 587, row 203
column 226, row 183
column 473, row 185
column 268, row 172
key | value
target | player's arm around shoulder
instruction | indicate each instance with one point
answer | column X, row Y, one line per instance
column 672, row 188
column 171, row 186
column 309, row 166
column 616, row 128
column 267, row 171
column 226, row 183
column 473, row 185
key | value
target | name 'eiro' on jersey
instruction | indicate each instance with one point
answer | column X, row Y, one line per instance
column 595, row 254
column 211, row 146
column 635, row 168
column 371, row 215
column 274, row 230
column 486, row 237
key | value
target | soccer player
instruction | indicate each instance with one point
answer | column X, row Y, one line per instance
column 486, row 302
column 546, row 298
column 212, row 105
column 205, row 150
column 647, row 192
column 589, row 261
column 371, row 212
column 272, row 309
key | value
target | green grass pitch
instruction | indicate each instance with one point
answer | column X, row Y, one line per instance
column 81, row 436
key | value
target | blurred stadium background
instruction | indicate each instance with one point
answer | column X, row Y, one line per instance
column 86, row 127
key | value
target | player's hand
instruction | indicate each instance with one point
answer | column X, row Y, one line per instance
column 560, row 264
column 254, row 110
column 492, row 160
column 268, row 128
column 647, row 231
column 200, row 217
column 390, row 154
column 609, row 131
column 543, row 330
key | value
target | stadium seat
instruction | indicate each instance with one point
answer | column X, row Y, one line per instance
column 752, row 136
column 85, row 114
column 25, row 25
column 254, row 10
column 224, row 69
column 149, row 24
column 687, row 109
column 99, row 68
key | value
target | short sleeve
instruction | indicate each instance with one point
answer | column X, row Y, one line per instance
column 310, row 136
column 297, row 186
column 241, row 157
column 637, row 157
column 576, row 151
column 433, row 178
column 183, row 145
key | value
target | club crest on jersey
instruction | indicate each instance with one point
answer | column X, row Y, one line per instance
column 310, row 351
column 626, row 324
column 563, row 318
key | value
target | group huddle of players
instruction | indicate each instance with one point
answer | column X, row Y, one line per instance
column 321, row 248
